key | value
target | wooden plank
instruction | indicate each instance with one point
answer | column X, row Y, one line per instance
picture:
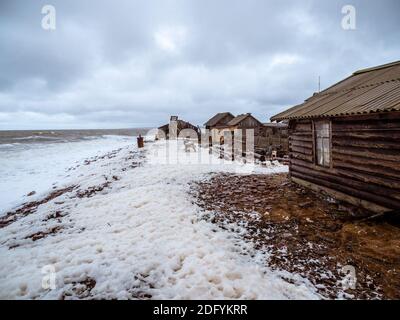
column 387, row 135
column 341, row 196
column 391, row 155
column 363, row 195
column 370, row 178
column 302, row 138
column 333, row 176
column 301, row 150
column 314, row 149
column 301, row 144
column 303, row 157
column 301, row 134
column 368, row 168
column 393, row 115
column 303, row 121
column 361, row 160
column 365, row 126
column 349, row 142
column 305, row 127
column 362, row 175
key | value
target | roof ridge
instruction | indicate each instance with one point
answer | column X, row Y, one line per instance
column 383, row 66
column 217, row 117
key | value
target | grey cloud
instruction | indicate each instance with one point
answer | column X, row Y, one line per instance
column 133, row 63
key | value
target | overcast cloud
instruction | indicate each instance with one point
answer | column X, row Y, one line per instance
column 115, row 64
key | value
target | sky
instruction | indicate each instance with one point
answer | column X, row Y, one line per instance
column 121, row 64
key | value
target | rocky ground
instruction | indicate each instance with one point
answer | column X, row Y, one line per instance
column 308, row 234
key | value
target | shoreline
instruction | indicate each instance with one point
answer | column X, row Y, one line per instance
column 39, row 167
column 128, row 219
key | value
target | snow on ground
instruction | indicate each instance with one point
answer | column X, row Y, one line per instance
column 141, row 236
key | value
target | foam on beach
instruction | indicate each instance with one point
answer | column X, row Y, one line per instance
column 140, row 236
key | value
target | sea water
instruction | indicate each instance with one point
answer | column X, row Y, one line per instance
column 39, row 160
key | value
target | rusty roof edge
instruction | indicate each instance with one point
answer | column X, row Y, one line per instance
column 383, row 66
column 279, row 117
column 395, row 107
column 286, row 115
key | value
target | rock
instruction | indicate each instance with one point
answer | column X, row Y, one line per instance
column 305, row 204
column 31, row 193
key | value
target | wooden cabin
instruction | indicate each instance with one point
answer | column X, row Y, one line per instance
column 268, row 137
column 216, row 125
column 345, row 140
column 172, row 129
column 220, row 120
column 243, row 122
column 272, row 137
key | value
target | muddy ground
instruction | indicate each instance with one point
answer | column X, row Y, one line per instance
column 308, row 233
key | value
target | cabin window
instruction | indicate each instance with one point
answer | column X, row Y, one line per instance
column 323, row 143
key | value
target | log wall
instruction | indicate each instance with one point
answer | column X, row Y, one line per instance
column 365, row 157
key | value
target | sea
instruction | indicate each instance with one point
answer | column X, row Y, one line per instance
column 33, row 161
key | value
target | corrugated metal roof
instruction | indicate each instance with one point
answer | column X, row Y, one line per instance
column 217, row 118
column 366, row 91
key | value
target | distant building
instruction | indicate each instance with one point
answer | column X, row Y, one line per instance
column 223, row 125
column 244, row 121
column 273, row 136
column 220, row 120
column 345, row 140
column 266, row 136
column 173, row 129
column 216, row 125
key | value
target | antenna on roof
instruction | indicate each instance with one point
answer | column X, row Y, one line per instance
column 319, row 84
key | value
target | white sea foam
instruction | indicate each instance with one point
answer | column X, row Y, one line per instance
column 143, row 234
column 36, row 167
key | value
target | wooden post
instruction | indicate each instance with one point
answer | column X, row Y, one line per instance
column 140, row 141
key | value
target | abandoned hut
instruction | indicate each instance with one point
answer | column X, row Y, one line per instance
column 224, row 126
column 216, row 126
column 242, row 123
column 173, row 129
column 272, row 137
column 267, row 136
column 345, row 140
column 220, row 120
